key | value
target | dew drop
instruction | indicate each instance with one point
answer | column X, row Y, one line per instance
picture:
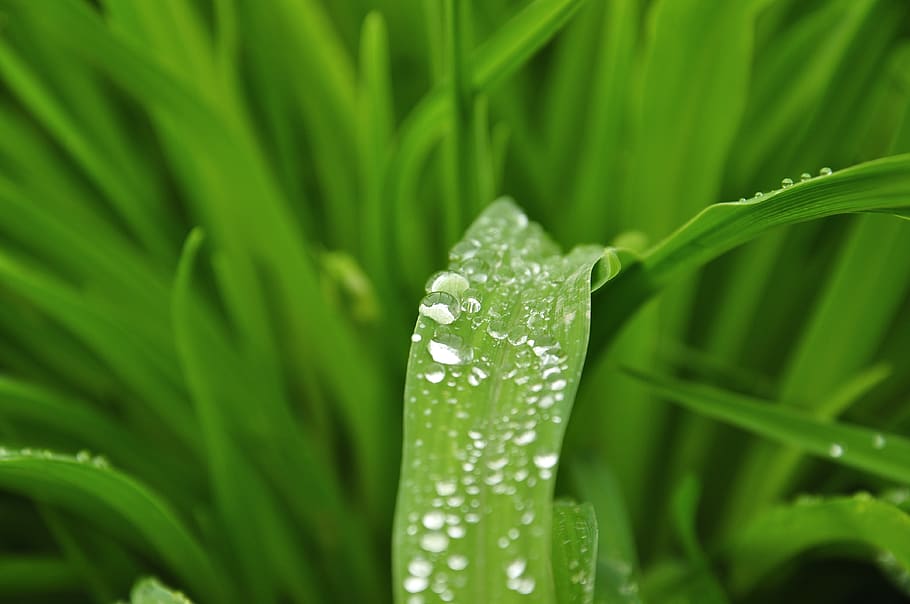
column 498, row 329
column 786, row 183
column 516, row 568
column 414, row 585
column 458, row 562
column 434, row 520
column 758, row 194
column 449, row 349
column 879, row 441
column 545, row 461
column 434, row 542
column 836, row 450
column 416, row 337
column 471, row 301
column 805, row 176
column 420, row 567
column 442, row 307
column 445, row 488
column 456, row 531
column 434, row 373
column 826, row 171
column 518, row 335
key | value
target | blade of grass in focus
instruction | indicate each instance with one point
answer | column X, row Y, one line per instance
column 495, row 360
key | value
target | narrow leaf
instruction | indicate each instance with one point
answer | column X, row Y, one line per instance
column 786, row 531
column 496, row 357
column 884, row 455
column 574, row 552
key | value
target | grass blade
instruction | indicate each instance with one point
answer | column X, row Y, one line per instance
column 486, row 401
column 574, row 552
column 884, row 455
column 94, row 491
column 881, row 185
column 150, row 591
column 786, row 531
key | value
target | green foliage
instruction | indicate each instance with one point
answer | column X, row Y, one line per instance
column 217, row 218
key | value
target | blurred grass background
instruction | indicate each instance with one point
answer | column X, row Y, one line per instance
column 249, row 372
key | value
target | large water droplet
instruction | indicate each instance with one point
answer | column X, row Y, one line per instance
column 449, row 349
column 449, row 282
column 442, row 307
column 805, row 176
column 434, row 520
column 434, row 542
column 545, row 461
column 826, row 171
column 516, row 568
column 414, row 585
column 420, row 567
column 786, row 183
column 434, row 373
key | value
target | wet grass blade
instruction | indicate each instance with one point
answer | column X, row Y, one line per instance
column 881, row 185
column 495, row 361
column 574, row 552
column 880, row 454
column 112, row 498
column 150, row 591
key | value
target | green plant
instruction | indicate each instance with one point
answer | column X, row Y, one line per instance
column 217, row 218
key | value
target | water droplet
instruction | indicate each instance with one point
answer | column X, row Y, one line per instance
column 434, row 373
column 442, row 307
column 518, row 335
column 879, row 441
column 434, row 542
column 786, row 183
column 456, row 531
column 835, row 450
column 526, row 438
column 445, row 488
column 516, row 568
column 449, row 349
column 826, row 171
column 805, row 176
column 742, row 200
column 414, row 585
column 545, row 461
column 458, row 562
column 498, row 329
column 525, row 585
column 84, row 456
column 449, row 282
column 471, row 301
column 434, row 520
column 416, row 337
column 420, row 567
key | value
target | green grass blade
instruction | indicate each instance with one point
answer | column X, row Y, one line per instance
column 617, row 559
column 31, row 575
column 782, row 533
column 517, row 40
column 701, row 585
column 880, row 454
column 574, row 552
column 877, row 186
column 107, row 496
column 486, row 401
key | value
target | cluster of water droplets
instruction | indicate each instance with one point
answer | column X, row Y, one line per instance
column 83, row 457
column 788, row 182
column 489, row 355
